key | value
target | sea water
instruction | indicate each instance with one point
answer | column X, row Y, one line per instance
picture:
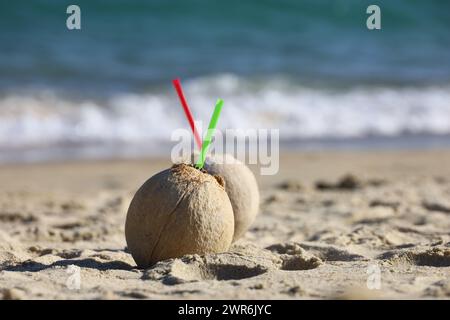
column 309, row 68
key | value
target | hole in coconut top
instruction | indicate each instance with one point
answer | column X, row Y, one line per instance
column 220, row 180
column 182, row 168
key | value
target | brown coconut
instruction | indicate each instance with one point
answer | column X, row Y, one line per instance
column 241, row 187
column 179, row 211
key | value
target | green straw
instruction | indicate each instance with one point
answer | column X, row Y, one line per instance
column 209, row 134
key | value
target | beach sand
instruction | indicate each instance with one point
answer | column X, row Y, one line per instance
column 331, row 225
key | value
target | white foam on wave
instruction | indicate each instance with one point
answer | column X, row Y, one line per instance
column 44, row 118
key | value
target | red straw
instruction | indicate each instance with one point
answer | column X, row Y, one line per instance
column 187, row 111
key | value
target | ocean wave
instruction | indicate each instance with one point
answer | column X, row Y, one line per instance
column 46, row 118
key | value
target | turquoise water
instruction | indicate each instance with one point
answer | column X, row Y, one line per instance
column 310, row 68
column 133, row 45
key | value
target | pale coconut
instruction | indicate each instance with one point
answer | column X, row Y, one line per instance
column 241, row 187
column 179, row 211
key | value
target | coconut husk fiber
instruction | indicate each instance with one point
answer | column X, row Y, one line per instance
column 179, row 211
column 241, row 187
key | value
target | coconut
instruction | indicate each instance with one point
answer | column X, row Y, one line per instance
column 241, row 187
column 178, row 211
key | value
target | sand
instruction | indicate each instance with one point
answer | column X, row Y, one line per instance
column 331, row 225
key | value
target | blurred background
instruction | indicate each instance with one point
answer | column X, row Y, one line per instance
column 309, row 68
